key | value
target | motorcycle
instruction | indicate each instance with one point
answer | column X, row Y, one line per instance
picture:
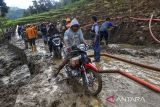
column 80, row 68
column 57, row 45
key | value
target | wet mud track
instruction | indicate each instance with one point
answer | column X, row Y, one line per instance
column 13, row 75
column 43, row 90
column 124, row 91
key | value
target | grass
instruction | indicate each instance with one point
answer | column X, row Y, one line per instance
column 1, row 35
column 50, row 15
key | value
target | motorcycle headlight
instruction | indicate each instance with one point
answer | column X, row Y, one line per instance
column 82, row 47
column 56, row 41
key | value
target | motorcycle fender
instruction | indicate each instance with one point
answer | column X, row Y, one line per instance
column 91, row 67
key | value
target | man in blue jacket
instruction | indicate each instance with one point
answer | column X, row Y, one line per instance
column 104, row 30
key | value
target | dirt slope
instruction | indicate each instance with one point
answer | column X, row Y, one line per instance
column 127, row 31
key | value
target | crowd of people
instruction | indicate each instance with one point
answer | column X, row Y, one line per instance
column 9, row 33
column 30, row 32
column 71, row 34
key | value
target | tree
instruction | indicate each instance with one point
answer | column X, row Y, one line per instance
column 32, row 10
column 40, row 6
column 65, row 2
column 3, row 11
column 36, row 6
column 3, row 8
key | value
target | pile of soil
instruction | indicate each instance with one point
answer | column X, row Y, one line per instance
column 126, row 31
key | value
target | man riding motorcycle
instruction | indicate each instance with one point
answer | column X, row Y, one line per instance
column 51, row 32
column 72, row 37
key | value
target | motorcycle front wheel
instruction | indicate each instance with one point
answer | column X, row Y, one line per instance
column 58, row 53
column 94, row 84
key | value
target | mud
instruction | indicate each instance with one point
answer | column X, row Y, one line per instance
column 13, row 75
column 22, row 88
column 121, row 87
column 43, row 90
column 133, row 50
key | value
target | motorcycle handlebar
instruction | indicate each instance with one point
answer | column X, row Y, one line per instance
column 75, row 48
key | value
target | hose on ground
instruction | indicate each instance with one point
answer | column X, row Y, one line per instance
column 150, row 29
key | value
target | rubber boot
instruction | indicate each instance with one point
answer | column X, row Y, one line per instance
column 34, row 48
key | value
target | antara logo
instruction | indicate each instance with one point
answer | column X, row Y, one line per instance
column 112, row 99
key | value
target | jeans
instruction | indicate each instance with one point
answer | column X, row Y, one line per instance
column 105, row 35
column 96, row 48
column 45, row 39
column 97, row 53
column 50, row 45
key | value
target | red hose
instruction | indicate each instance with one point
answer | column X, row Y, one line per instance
column 141, row 81
column 130, row 62
column 150, row 29
column 145, row 19
column 136, row 79
column 133, row 18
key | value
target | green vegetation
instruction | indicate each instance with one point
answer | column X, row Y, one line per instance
column 3, row 12
column 0, row 34
column 2, row 24
column 48, row 16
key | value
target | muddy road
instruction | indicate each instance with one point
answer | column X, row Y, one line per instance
column 13, row 75
column 124, row 90
column 21, row 87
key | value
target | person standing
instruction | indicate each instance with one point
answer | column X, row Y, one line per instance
column 96, row 39
column 59, row 26
column 104, row 30
column 8, row 34
column 25, row 37
column 31, row 37
column 68, row 23
column 44, row 32
column 20, row 31
column 35, row 28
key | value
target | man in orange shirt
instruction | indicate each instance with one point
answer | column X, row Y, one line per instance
column 35, row 30
column 31, row 37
